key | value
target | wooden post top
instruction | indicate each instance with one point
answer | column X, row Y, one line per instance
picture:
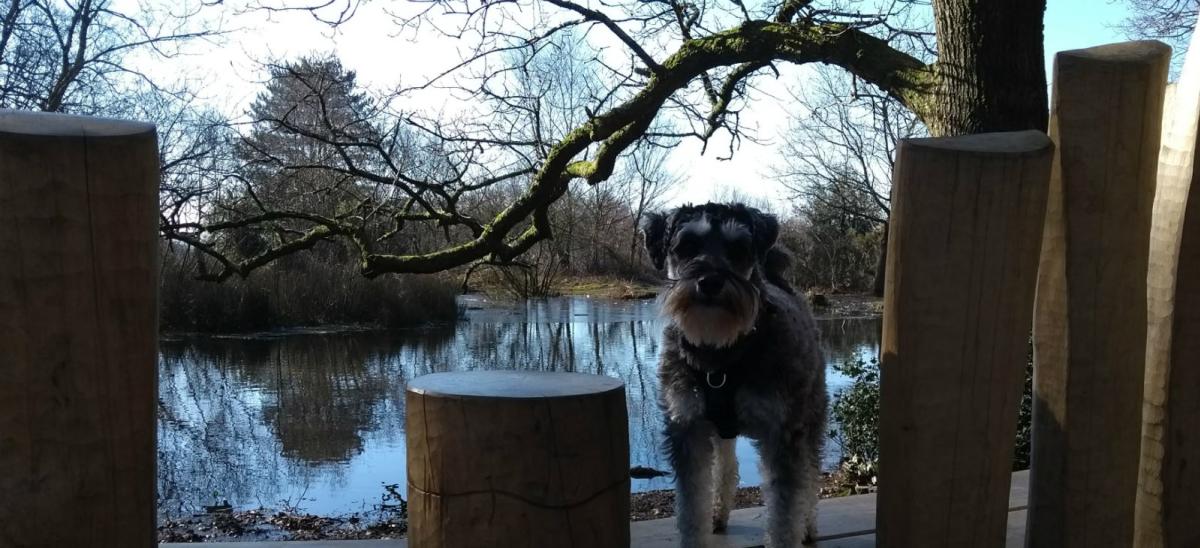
column 513, row 384
column 1140, row 51
column 1006, row 143
column 46, row 124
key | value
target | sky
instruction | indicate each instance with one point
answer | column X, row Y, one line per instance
column 384, row 57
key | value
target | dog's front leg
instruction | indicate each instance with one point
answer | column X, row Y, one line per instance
column 690, row 450
column 725, row 476
column 791, row 483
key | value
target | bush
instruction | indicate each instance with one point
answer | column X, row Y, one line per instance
column 855, row 414
column 855, row 410
column 300, row 291
column 1021, row 457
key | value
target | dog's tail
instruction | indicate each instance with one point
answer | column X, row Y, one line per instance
column 775, row 266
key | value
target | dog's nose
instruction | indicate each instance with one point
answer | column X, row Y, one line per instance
column 710, row 285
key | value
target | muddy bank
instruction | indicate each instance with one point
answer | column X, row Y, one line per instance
column 224, row 525
column 846, row 305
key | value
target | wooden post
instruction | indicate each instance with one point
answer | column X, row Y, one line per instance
column 517, row 459
column 962, row 264
column 78, row 331
column 1166, row 513
column 1090, row 318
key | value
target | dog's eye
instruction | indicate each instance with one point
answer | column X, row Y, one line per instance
column 687, row 246
column 739, row 252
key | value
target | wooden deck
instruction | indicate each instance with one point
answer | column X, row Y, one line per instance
column 846, row 522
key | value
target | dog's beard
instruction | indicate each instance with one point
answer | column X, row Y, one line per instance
column 718, row 322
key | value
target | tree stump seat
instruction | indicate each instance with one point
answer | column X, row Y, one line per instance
column 513, row 458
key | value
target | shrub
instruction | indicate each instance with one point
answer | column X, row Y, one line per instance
column 1021, row 457
column 855, row 425
column 855, row 410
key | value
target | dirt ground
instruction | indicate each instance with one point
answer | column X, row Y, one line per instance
column 261, row 525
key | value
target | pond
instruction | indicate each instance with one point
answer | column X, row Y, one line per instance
column 314, row 421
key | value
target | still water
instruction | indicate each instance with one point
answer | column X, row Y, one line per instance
column 315, row 421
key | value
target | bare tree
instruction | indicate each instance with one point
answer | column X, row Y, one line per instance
column 831, row 249
column 71, row 56
column 1171, row 21
column 651, row 181
column 195, row 153
column 78, row 57
column 665, row 63
column 839, row 153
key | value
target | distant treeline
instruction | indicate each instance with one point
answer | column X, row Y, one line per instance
column 304, row 289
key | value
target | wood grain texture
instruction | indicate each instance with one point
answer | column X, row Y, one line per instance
column 517, row 471
column 1089, row 329
column 78, row 331
column 962, row 266
column 1166, row 513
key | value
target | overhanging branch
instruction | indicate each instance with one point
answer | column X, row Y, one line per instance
column 751, row 45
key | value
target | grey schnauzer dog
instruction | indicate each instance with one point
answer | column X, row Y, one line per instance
column 740, row 357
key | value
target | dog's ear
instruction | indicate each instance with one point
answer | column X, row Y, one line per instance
column 765, row 228
column 654, row 234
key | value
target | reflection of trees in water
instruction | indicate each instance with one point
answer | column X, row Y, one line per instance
column 641, row 387
column 211, row 438
column 325, row 397
column 843, row 338
column 571, row 335
column 247, row 420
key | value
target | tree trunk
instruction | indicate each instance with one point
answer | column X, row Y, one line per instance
column 991, row 67
column 992, row 76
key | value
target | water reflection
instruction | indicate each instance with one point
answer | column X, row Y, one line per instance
column 316, row 420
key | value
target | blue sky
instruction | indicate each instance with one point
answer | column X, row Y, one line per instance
column 1074, row 24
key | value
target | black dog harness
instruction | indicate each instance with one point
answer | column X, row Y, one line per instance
column 721, row 371
column 720, row 406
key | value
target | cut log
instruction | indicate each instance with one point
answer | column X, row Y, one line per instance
column 78, row 331
column 1167, row 514
column 1089, row 332
column 962, row 267
column 517, row 459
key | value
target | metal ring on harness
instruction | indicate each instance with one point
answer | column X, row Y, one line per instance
column 708, row 377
